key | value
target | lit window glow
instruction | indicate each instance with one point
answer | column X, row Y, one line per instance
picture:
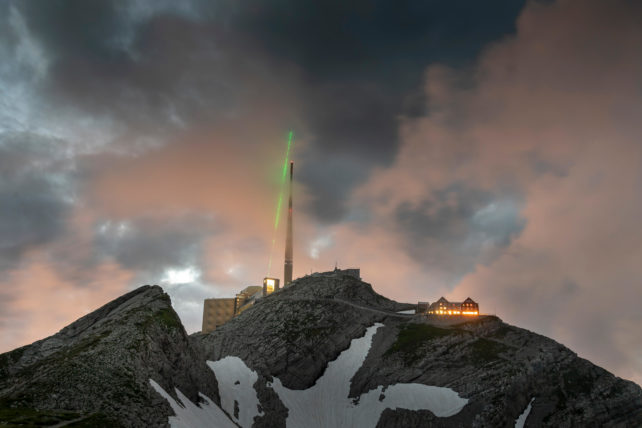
column 270, row 284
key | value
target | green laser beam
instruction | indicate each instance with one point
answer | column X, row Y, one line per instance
column 270, row 262
column 285, row 173
column 280, row 200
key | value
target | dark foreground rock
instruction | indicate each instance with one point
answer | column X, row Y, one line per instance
column 97, row 369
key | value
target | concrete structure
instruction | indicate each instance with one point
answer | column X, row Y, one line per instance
column 355, row 272
column 217, row 312
column 246, row 298
column 444, row 307
column 422, row 308
column 287, row 266
column 270, row 285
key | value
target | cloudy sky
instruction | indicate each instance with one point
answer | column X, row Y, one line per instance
column 457, row 148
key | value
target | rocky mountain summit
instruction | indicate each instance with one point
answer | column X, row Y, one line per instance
column 96, row 370
column 327, row 344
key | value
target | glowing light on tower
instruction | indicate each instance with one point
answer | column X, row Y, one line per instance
column 270, row 285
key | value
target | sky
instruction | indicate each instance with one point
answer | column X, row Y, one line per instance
column 447, row 148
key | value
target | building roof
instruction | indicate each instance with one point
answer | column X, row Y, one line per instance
column 251, row 289
column 220, row 299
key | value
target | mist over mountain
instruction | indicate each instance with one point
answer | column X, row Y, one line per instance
column 326, row 351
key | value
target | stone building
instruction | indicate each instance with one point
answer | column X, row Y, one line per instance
column 444, row 307
column 469, row 307
column 217, row 312
column 422, row 307
column 247, row 297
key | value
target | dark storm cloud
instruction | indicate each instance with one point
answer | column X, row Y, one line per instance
column 151, row 244
column 364, row 57
column 36, row 194
column 459, row 227
column 6, row 34
column 337, row 40
column 69, row 28
column 363, row 65
column 136, row 65
column 354, row 67
column 330, row 180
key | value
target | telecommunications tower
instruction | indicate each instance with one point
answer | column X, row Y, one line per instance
column 287, row 267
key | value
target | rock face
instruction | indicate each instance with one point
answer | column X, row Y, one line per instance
column 293, row 334
column 99, row 367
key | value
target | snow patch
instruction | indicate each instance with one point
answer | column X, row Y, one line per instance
column 236, row 383
column 407, row 312
column 519, row 422
column 326, row 403
column 189, row 415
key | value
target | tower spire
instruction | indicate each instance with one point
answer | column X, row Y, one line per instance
column 287, row 268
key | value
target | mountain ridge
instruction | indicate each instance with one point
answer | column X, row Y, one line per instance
column 98, row 369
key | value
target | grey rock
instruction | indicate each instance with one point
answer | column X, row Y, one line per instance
column 294, row 333
column 99, row 366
